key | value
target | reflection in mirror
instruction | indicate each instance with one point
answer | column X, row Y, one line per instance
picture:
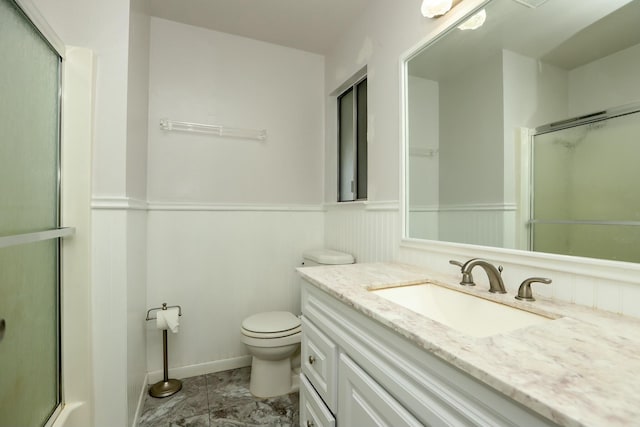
column 488, row 110
column 585, row 189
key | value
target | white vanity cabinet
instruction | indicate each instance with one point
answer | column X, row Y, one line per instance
column 363, row 402
column 313, row 412
column 358, row 373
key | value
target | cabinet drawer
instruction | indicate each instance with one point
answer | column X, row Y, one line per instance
column 320, row 362
column 313, row 413
column 363, row 402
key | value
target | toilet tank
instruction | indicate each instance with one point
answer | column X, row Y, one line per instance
column 326, row 257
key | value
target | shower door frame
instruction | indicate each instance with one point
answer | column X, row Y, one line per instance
column 40, row 25
column 611, row 113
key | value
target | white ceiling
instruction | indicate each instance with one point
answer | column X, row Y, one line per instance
column 310, row 25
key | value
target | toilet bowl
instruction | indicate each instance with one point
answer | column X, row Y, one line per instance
column 273, row 339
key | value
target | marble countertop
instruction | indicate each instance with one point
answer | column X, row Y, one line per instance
column 581, row 369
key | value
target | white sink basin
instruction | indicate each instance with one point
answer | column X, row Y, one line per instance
column 466, row 313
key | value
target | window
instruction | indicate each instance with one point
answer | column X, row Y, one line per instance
column 352, row 143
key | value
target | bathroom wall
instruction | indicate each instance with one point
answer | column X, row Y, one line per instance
column 136, row 226
column 592, row 90
column 371, row 230
column 228, row 218
column 470, row 97
column 204, row 76
column 384, row 33
column 75, row 211
column 423, row 158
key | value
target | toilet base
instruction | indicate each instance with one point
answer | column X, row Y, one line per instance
column 270, row 378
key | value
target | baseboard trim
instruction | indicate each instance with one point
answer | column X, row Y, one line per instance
column 201, row 368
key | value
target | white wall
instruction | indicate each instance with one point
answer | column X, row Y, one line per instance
column 229, row 218
column 204, row 76
column 611, row 81
column 534, row 94
column 469, row 97
column 383, row 34
column 136, row 183
column 104, row 28
column 78, row 104
column 138, row 99
column 423, row 157
column 374, row 40
column 369, row 231
column 221, row 266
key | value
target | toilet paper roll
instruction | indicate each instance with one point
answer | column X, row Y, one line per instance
column 168, row 319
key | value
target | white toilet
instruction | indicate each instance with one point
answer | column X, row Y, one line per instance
column 273, row 337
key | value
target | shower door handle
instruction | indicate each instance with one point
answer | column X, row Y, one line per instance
column 3, row 326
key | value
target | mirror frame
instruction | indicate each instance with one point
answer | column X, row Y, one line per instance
column 626, row 272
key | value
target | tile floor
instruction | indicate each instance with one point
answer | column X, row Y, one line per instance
column 219, row 400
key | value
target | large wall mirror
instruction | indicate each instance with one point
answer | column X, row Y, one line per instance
column 523, row 131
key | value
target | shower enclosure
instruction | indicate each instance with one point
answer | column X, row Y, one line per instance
column 30, row 388
column 585, row 186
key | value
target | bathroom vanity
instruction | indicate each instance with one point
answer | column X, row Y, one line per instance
column 369, row 361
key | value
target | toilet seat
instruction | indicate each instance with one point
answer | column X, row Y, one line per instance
column 270, row 335
column 270, row 325
column 271, row 342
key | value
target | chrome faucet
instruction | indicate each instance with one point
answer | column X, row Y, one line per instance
column 496, row 285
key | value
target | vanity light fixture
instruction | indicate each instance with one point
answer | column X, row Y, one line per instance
column 474, row 22
column 433, row 8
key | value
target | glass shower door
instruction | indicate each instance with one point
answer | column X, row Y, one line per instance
column 30, row 388
column 586, row 200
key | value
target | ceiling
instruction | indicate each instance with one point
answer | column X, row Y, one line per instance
column 310, row 25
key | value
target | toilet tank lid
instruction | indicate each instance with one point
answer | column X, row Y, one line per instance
column 271, row 321
column 329, row 257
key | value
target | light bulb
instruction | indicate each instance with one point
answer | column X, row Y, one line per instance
column 475, row 21
column 433, row 8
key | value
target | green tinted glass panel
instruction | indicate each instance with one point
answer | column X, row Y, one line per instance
column 589, row 172
column 29, row 349
column 613, row 242
column 29, row 120
column 29, row 285
column 585, row 190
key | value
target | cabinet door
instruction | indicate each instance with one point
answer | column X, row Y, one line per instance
column 319, row 362
column 313, row 413
column 363, row 402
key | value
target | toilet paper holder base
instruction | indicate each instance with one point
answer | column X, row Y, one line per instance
column 167, row 387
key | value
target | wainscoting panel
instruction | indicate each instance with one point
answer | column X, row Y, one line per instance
column 370, row 232
column 222, row 264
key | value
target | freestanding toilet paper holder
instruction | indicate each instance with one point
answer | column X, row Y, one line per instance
column 166, row 387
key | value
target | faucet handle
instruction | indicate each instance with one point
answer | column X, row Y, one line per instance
column 454, row 262
column 500, row 268
column 524, row 291
column 467, row 278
